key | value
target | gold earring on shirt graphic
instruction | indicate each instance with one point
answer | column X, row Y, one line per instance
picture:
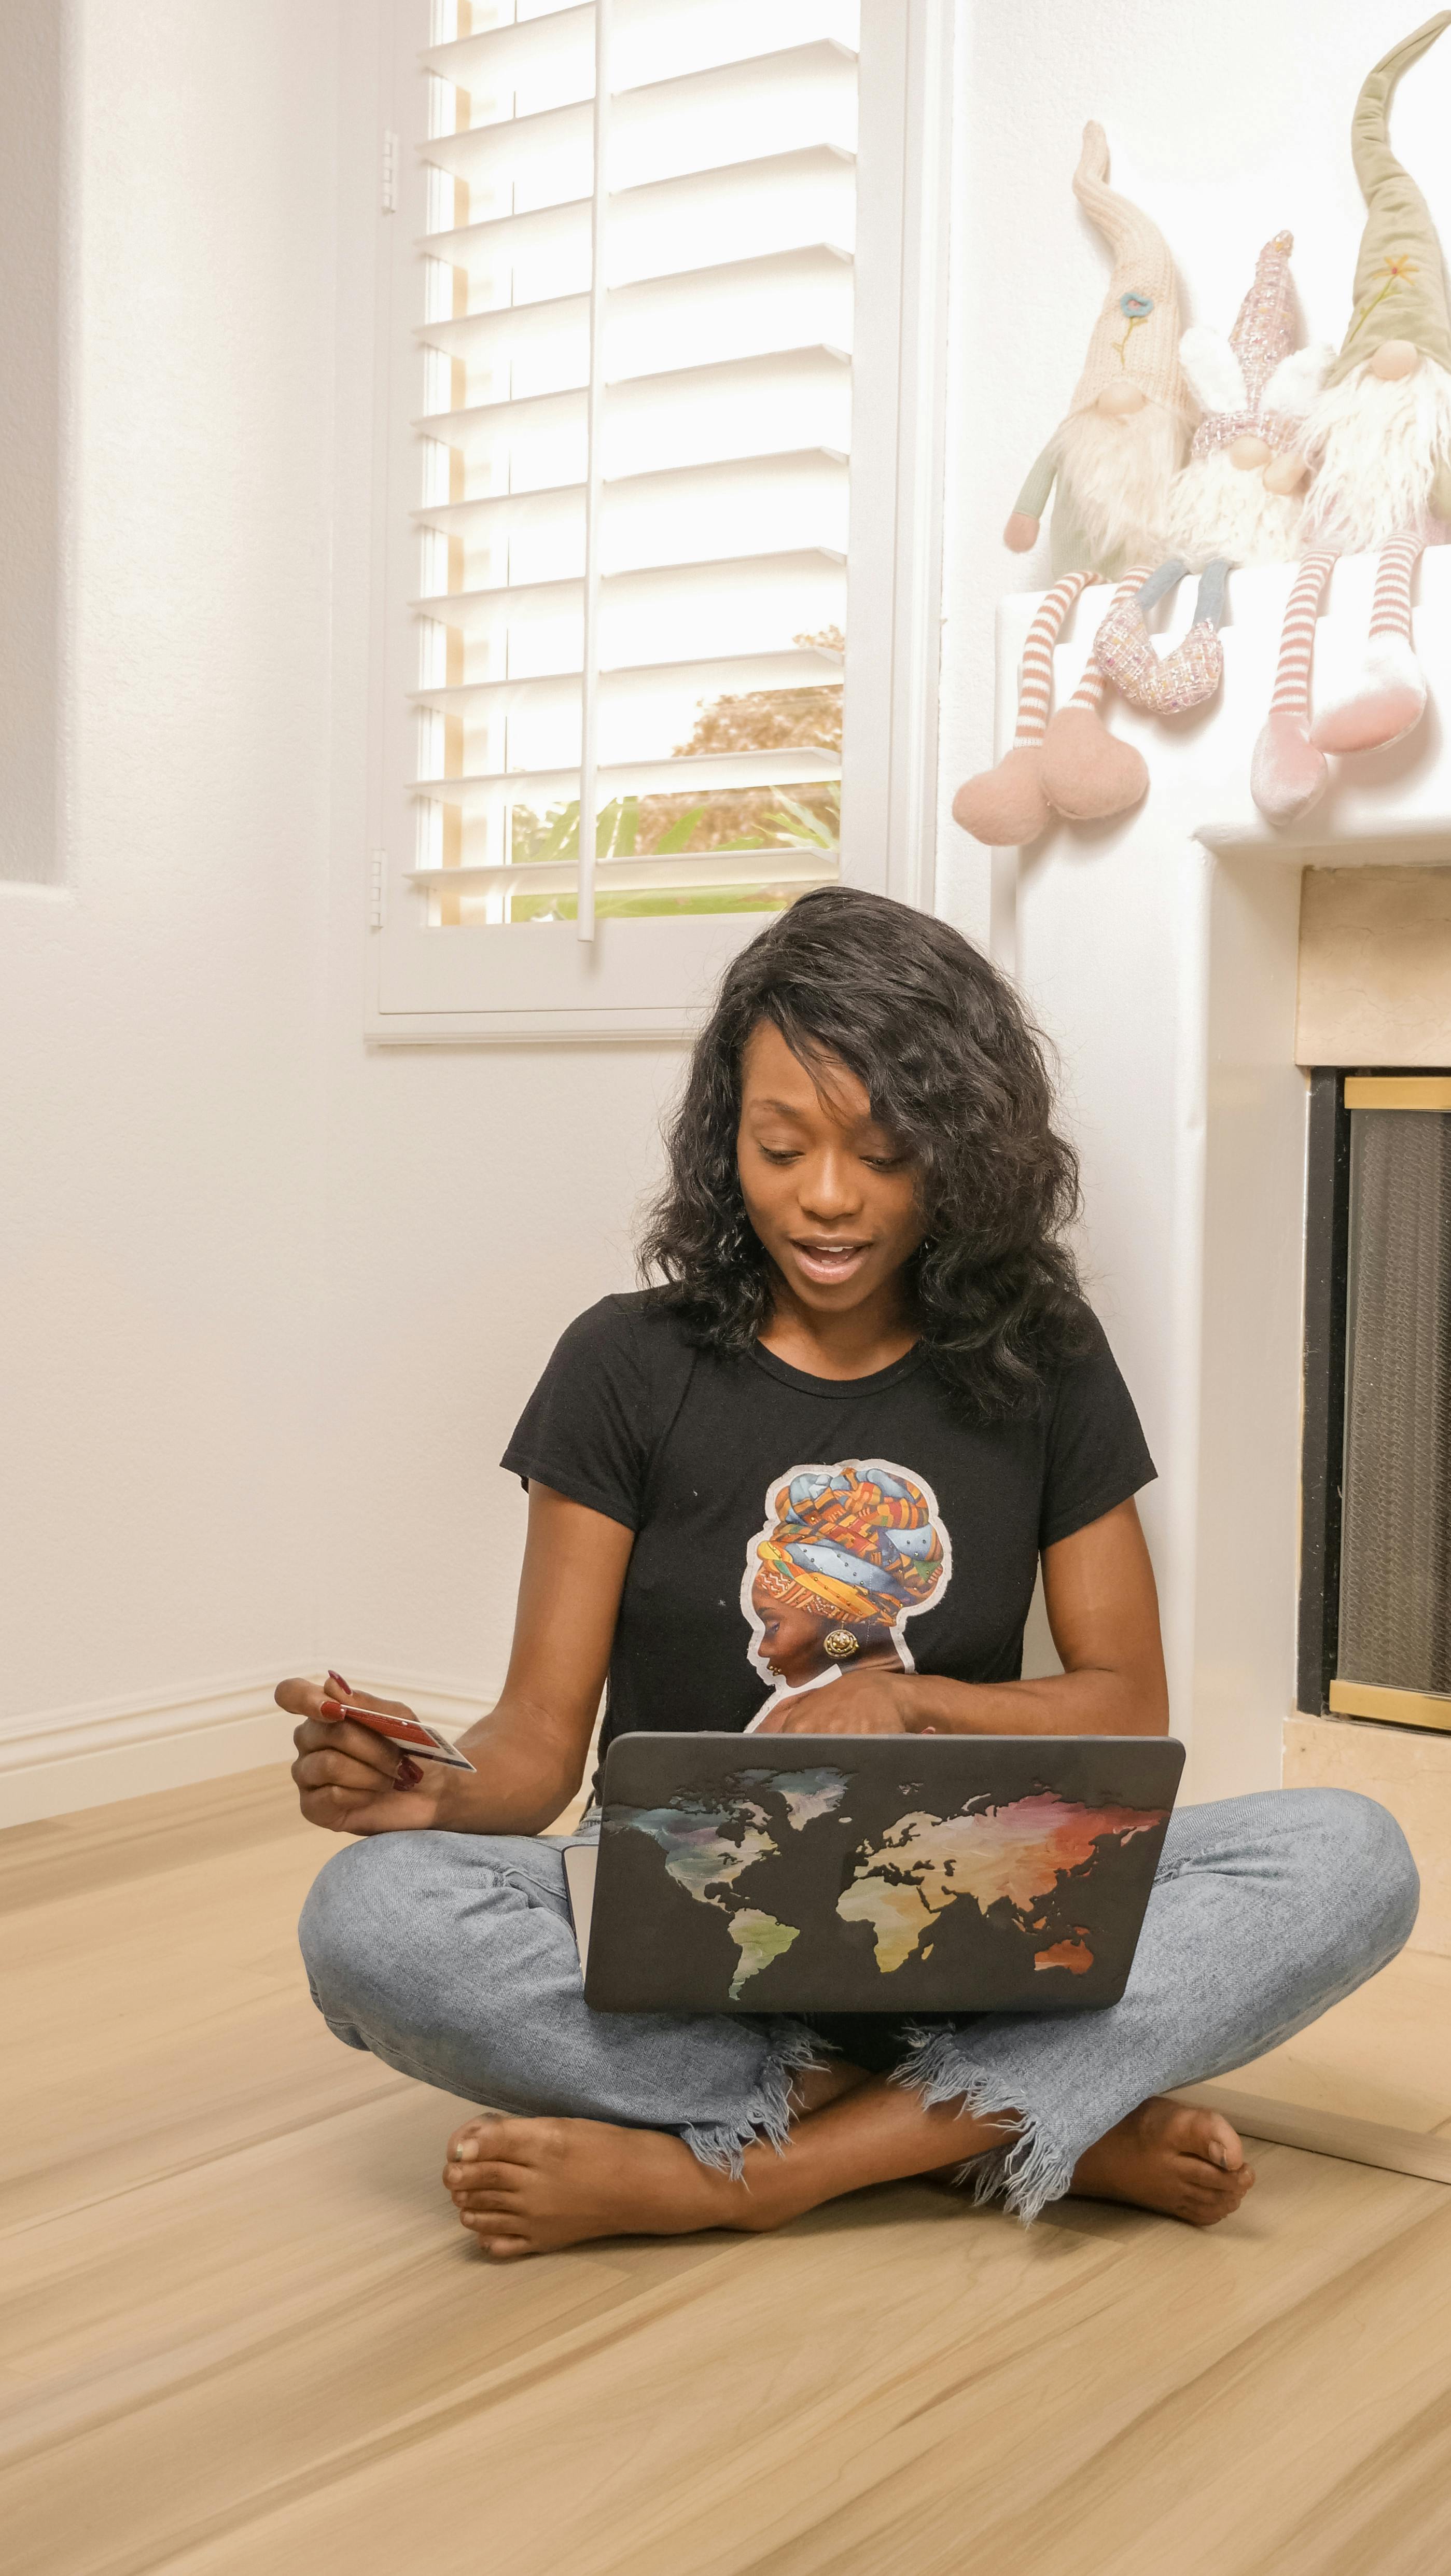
column 841, row 1645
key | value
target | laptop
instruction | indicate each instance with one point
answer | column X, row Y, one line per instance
column 872, row 1873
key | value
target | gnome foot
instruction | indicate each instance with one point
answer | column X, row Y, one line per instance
column 1287, row 774
column 1387, row 703
column 1389, row 699
column 1087, row 773
column 1006, row 806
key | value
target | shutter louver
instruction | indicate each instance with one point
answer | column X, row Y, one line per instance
column 634, row 421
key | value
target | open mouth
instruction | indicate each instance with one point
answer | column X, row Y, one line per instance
column 828, row 1262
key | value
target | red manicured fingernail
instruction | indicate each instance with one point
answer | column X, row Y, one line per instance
column 407, row 1775
column 346, row 1688
column 330, row 1710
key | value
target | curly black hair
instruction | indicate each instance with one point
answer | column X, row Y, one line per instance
column 952, row 1067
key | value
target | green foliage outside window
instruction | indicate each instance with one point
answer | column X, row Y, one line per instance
column 740, row 818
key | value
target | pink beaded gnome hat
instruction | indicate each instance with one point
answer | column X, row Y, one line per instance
column 1255, row 383
column 1136, row 335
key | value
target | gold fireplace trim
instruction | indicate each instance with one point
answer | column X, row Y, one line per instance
column 1398, row 1091
column 1391, row 1707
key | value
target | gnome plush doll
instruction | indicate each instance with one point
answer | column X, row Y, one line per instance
column 1378, row 447
column 1239, row 499
column 1108, row 468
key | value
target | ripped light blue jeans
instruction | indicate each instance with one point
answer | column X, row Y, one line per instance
column 451, row 1957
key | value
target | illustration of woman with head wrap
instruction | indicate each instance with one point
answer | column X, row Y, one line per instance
column 847, row 1555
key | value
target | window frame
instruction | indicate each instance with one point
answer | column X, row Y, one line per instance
column 657, row 986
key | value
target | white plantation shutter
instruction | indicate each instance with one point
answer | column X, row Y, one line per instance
column 621, row 434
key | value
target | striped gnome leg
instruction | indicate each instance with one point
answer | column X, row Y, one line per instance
column 1389, row 698
column 1006, row 806
column 1086, row 772
column 1288, row 773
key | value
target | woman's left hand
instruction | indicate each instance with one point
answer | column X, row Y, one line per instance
column 866, row 1703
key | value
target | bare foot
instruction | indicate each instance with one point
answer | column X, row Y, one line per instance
column 535, row 2185
column 530, row 2186
column 1167, row 2156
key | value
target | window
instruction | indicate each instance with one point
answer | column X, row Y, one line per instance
column 625, row 479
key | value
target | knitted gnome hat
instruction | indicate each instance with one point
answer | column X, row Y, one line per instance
column 1137, row 333
column 1262, row 338
column 1400, row 278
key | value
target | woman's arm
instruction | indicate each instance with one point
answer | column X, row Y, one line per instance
column 529, row 1752
column 1104, row 1613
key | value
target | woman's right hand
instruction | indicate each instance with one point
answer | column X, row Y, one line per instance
column 351, row 1781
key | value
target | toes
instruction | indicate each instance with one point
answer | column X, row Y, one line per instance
column 494, row 2235
column 1204, row 2209
column 505, row 2249
column 1206, row 2135
column 1204, row 2197
column 1221, row 2143
column 470, row 2180
column 492, row 2220
column 497, row 2195
column 468, row 2142
column 495, row 2138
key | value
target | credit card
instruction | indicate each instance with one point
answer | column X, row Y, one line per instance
column 408, row 1733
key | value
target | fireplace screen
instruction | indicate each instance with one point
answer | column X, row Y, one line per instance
column 1378, row 1314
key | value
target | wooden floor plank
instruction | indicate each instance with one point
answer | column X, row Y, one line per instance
column 1306, row 2398
column 143, row 1838
column 1385, row 2515
column 1383, row 2055
column 862, row 2355
column 160, row 2025
column 240, row 2332
column 1327, row 2133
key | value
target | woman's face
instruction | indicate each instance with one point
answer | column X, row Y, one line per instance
column 829, row 1192
column 791, row 1638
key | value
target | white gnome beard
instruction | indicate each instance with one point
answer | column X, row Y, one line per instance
column 1375, row 448
column 1216, row 510
column 1114, row 476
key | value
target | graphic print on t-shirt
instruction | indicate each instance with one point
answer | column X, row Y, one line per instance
column 847, row 1554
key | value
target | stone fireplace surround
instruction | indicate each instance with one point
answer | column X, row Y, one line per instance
column 1188, row 962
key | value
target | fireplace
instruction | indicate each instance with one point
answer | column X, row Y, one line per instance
column 1375, row 1600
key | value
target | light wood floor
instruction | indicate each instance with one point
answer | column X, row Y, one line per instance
column 242, row 2336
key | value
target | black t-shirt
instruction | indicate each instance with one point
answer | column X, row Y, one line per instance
column 788, row 1528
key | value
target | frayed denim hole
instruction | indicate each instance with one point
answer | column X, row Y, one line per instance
column 765, row 2118
column 1028, row 2170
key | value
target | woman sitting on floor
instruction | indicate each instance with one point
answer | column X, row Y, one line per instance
column 868, row 1315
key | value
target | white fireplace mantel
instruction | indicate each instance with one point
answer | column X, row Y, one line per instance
column 1159, row 951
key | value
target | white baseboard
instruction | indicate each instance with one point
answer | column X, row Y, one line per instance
column 63, row 1759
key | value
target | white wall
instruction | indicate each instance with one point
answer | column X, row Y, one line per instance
column 274, row 1301
column 271, row 1303
column 160, row 1036
column 33, row 46
column 1226, row 125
